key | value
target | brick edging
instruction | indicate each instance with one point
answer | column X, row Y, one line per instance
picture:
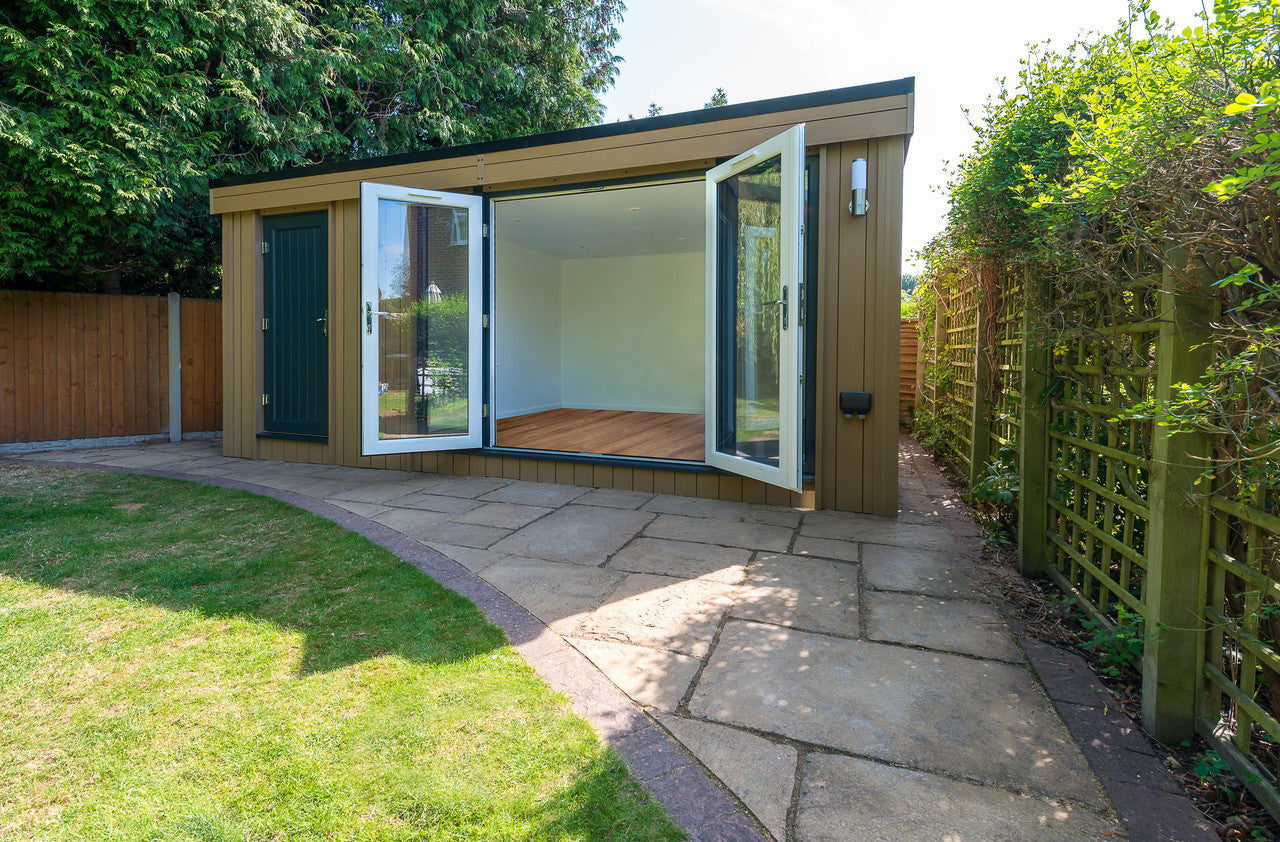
column 695, row 803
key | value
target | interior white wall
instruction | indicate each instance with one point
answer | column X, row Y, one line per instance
column 632, row 333
column 527, row 328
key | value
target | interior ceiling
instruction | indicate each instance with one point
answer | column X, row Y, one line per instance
column 657, row 219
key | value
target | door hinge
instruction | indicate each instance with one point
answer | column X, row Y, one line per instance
column 484, row 320
column 266, row 399
column 264, row 247
column 484, row 229
column 802, row 232
column 484, row 410
column 266, row 324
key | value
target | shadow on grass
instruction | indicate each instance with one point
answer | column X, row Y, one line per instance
column 185, row 546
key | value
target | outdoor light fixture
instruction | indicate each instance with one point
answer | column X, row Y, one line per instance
column 858, row 204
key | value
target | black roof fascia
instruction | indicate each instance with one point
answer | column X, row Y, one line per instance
column 622, row 127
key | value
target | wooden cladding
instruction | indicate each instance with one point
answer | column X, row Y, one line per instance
column 78, row 366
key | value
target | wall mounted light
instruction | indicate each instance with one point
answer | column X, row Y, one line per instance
column 858, row 204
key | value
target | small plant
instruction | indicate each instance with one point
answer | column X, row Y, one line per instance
column 994, row 535
column 998, row 490
column 1118, row 645
column 1213, row 771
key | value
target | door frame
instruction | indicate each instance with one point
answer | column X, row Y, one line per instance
column 368, row 323
column 789, row 147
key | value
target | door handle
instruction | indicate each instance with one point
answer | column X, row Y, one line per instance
column 323, row 321
column 783, row 303
column 369, row 313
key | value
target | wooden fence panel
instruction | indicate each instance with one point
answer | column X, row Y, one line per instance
column 78, row 366
column 910, row 357
column 201, row 366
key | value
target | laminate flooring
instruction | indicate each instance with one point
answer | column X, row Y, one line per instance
column 657, row 435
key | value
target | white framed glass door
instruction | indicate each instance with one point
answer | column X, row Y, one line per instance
column 421, row 300
column 755, row 256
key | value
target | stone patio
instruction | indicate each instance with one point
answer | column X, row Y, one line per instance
column 845, row 677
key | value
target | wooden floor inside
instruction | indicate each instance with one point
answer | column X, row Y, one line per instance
column 657, row 435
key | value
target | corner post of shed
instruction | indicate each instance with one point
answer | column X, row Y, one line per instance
column 1178, row 529
column 1033, row 443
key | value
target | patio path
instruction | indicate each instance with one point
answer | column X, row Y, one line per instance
column 843, row 676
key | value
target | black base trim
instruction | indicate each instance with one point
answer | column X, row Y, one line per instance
column 295, row 437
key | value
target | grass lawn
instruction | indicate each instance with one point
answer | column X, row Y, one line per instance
column 182, row 662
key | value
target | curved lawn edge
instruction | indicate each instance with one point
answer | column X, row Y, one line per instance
column 659, row 763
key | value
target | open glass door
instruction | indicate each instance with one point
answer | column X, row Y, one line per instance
column 755, row 206
column 420, row 319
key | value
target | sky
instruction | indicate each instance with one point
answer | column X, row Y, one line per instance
column 677, row 52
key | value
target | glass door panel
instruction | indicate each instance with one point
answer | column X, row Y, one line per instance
column 421, row 320
column 754, row 261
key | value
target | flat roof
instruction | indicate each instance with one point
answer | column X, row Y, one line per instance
column 621, row 127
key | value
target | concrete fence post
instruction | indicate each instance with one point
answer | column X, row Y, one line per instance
column 175, row 367
column 1177, row 531
column 1033, row 442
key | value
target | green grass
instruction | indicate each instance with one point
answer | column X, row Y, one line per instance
column 181, row 662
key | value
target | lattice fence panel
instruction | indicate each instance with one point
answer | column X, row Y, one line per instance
column 956, row 388
column 1098, row 463
column 1006, row 367
column 1241, row 671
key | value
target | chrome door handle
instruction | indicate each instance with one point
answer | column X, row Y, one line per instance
column 781, row 302
column 323, row 321
column 369, row 313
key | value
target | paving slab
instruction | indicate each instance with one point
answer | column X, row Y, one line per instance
column 412, row 522
column 869, row 529
column 451, row 531
column 760, row 772
column 789, row 518
column 949, row 625
column 452, row 486
column 696, row 507
column 679, row 615
column 472, row 558
column 367, row 510
column 919, row 571
column 812, row 594
column 503, row 515
column 535, row 493
column 755, row 536
column 982, row 720
column 560, row 595
column 683, row 559
column 381, row 492
column 585, row 535
column 651, row 677
column 847, row 798
column 434, row 502
column 614, row 498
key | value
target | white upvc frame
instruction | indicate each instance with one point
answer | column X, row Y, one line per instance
column 370, row 193
column 789, row 146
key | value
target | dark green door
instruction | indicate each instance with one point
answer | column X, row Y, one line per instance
column 295, row 326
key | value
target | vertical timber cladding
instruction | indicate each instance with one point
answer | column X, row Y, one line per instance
column 295, row 324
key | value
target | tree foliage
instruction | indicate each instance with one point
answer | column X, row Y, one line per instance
column 115, row 115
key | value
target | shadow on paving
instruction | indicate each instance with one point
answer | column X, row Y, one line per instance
column 185, row 546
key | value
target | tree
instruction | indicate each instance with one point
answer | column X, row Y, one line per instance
column 115, row 115
column 718, row 99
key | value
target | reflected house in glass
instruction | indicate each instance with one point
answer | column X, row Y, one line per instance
column 670, row 304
